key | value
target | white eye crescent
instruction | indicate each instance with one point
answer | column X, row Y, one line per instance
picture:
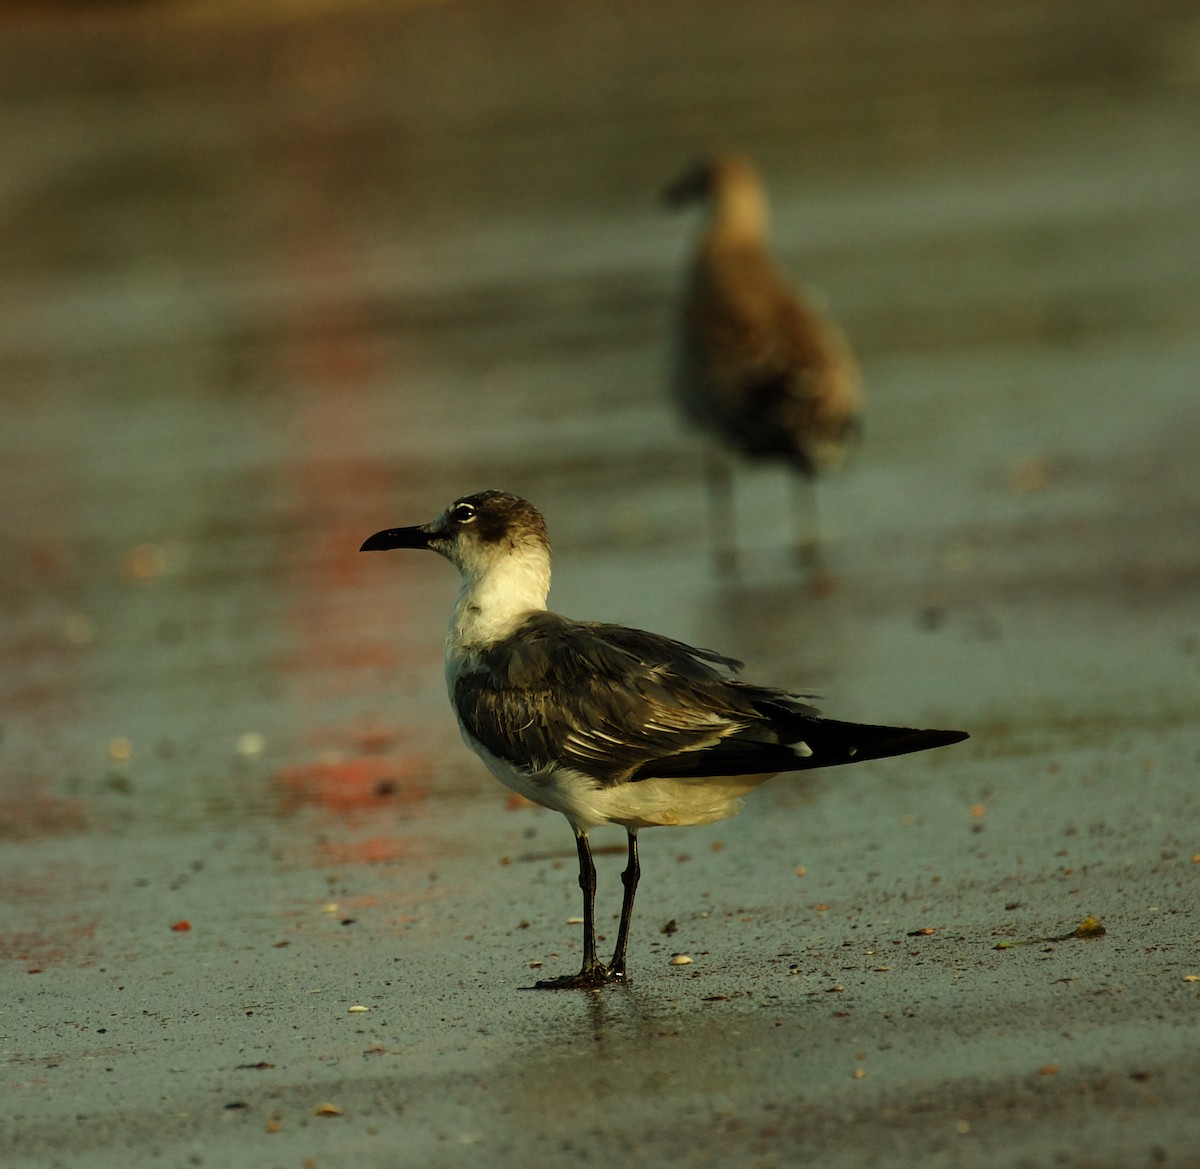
column 463, row 513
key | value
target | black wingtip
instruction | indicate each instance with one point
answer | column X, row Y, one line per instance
column 884, row 742
column 825, row 743
column 832, row 742
column 939, row 738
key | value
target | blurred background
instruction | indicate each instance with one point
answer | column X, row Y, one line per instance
column 275, row 274
column 278, row 273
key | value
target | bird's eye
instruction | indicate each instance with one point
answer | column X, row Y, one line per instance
column 463, row 513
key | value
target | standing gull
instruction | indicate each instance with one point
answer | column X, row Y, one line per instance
column 757, row 366
column 605, row 724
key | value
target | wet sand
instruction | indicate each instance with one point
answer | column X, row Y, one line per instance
column 276, row 277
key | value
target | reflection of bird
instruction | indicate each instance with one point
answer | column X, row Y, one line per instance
column 758, row 366
column 605, row 724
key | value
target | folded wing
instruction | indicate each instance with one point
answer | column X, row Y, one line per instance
column 621, row 705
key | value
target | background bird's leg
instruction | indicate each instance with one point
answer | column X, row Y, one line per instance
column 805, row 531
column 718, row 473
column 629, row 878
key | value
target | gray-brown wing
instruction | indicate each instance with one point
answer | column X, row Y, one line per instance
column 737, row 332
column 605, row 700
column 771, row 371
column 824, row 384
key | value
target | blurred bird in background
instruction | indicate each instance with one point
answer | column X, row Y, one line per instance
column 757, row 366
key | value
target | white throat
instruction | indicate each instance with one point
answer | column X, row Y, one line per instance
column 494, row 598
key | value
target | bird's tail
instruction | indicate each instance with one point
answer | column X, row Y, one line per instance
column 832, row 742
column 803, row 742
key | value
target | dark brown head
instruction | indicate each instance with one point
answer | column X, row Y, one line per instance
column 475, row 532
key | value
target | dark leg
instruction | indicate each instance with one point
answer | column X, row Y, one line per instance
column 629, row 878
column 592, row 973
column 806, row 534
column 587, row 882
column 719, row 476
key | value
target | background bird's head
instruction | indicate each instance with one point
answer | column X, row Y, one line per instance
column 729, row 186
column 710, row 176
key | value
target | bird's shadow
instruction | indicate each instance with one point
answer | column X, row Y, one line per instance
column 609, row 1012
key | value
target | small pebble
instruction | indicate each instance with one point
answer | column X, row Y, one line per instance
column 251, row 743
column 120, row 750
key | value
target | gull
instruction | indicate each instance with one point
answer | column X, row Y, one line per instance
column 757, row 366
column 603, row 723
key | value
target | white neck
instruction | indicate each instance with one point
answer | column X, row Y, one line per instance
column 493, row 599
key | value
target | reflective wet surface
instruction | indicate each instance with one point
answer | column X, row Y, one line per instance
column 275, row 276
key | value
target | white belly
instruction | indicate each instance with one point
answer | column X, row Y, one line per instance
column 648, row 803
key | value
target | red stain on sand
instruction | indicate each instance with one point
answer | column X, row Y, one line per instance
column 354, row 785
column 36, row 815
column 372, row 740
column 376, row 850
column 41, row 948
column 333, row 655
column 333, row 652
